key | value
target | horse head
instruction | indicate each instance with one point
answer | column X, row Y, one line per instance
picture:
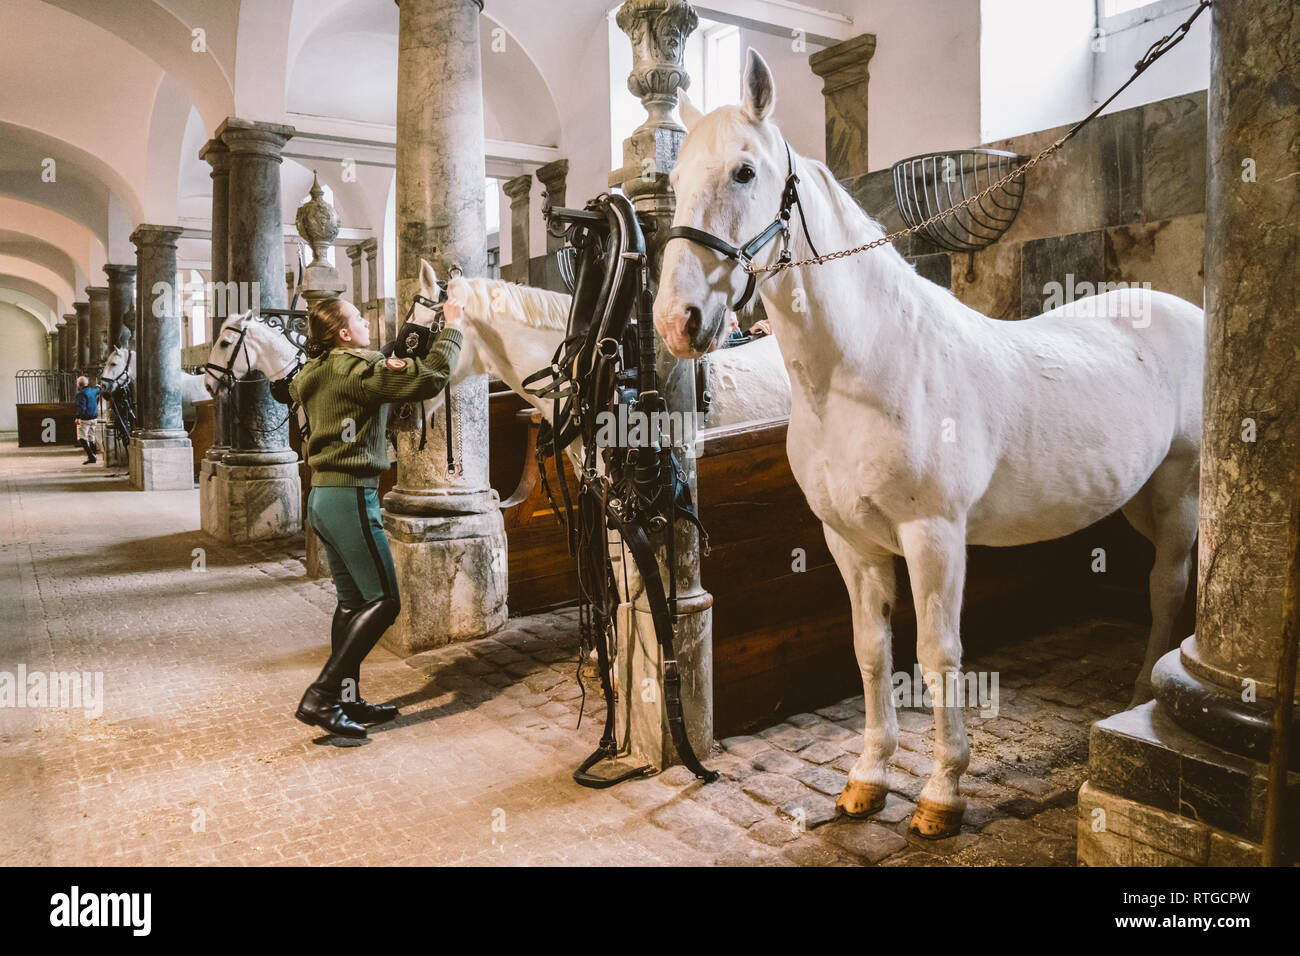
column 245, row 345
column 119, row 369
column 729, row 181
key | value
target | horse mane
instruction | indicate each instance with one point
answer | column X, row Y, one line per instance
column 489, row 298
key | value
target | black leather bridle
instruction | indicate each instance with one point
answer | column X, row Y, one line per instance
column 743, row 255
column 225, row 376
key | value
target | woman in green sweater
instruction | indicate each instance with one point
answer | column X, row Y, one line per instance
column 345, row 388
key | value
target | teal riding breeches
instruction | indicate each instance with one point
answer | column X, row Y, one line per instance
column 347, row 521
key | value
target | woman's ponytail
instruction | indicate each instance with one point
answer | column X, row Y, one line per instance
column 324, row 321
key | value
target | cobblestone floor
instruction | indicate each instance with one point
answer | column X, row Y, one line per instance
column 196, row 757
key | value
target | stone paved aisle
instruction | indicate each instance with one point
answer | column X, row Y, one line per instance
column 196, row 757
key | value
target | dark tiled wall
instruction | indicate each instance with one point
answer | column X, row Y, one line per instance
column 1123, row 201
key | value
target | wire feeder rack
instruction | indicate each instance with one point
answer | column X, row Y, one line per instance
column 925, row 186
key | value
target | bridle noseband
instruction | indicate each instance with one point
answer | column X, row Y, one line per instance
column 743, row 255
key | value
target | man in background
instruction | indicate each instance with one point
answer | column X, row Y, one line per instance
column 87, row 415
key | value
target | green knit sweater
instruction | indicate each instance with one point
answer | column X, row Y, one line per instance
column 346, row 394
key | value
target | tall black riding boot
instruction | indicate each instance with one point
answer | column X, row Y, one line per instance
column 354, row 705
column 85, row 446
column 322, row 704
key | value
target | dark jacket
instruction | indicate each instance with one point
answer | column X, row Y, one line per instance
column 88, row 402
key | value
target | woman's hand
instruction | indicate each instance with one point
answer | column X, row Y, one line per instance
column 452, row 313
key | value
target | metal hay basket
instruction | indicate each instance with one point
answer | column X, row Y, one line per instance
column 925, row 186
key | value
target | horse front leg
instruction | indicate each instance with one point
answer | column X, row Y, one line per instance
column 869, row 577
column 935, row 551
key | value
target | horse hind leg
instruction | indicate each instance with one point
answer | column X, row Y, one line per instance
column 870, row 582
column 1165, row 512
column 936, row 562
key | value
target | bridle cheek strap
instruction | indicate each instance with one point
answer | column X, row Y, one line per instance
column 779, row 226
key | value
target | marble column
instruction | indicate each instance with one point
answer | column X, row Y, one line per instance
column 318, row 224
column 121, row 293
column 98, row 296
column 445, row 526
column 81, row 351
column 843, row 69
column 519, row 190
column 219, row 308
column 52, row 350
column 355, row 253
column 554, row 177
column 374, row 309
column 159, row 455
column 256, row 493
column 658, row 30
column 1190, row 765
column 67, row 329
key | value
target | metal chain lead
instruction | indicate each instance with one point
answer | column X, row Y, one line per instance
column 752, row 269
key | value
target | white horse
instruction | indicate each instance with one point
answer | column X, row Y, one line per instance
column 255, row 346
column 123, row 360
column 511, row 330
column 919, row 426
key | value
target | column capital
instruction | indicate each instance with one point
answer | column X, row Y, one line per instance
column 148, row 234
column 355, row 251
column 553, row 174
column 68, row 319
column 119, row 273
column 79, row 308
column 477, row 3
column 518, row 188
column 369, row 246
column 217, row 155
column 96, row 292
column 248, row 136
column 845, row 63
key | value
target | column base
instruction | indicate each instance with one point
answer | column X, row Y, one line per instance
column 1169, row 798
column 451, row 574
column 161, row 463
column 242, row 503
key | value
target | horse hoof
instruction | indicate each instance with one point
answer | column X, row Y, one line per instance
column 859, row 799
column 933, row 822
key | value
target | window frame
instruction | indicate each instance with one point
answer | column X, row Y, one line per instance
column 1152, row 10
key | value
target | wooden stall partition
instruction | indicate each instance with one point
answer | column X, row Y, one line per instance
column 507, row 438
column 203, row 432
column 541, row 571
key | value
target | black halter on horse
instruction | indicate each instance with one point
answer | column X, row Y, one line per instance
column 225, row 376
column 608, row 358
column 743, row 255
column 409, row 336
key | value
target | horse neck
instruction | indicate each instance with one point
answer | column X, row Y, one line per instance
column 868, row 312
column 275, row 355
column 512, row 351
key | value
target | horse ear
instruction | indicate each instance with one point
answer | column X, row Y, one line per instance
column 690, row 115
column 428, row 279
column 759, row 87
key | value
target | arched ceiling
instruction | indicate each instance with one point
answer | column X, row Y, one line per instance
column 22, row 246
column 39, row 275
column 19, row 290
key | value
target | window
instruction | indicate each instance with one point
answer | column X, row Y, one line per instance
column 1119, row 15
column 492, row 204
column 713, row 63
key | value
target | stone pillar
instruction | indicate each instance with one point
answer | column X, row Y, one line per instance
column 318, row 224
column 67, row 336
column 371, row 248
column 98, row 296
column 81, row 350
column 518, row 189
column 447, row 535
column 843, row 69
column 219, row 307
column 553, row 177
column 658, row 29
column 373, row 307
column 121, row 293
column 256, row 493
column 355, row 252
column 160, row 456
column 52, row 350
column 1185, row 773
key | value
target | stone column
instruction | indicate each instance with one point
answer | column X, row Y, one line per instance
column 81, row 350
column 67, row 331
column 52, row 350
column 318, row 224
column 121, row 293
column 843, row 69
column 1186, row 772
column 98, row 296
column 447, row 535
column 553, row 177
column 256, row 493
column 220, row 305
column 355, row 252
column 658, row 29
column 160, row 456
column 518, row 189
column 373, row 307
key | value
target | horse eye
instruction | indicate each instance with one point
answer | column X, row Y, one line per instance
column 744, row 173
